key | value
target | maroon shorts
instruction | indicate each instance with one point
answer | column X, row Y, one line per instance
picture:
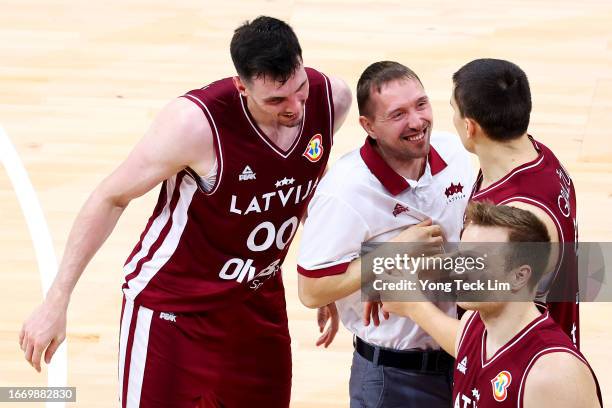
column 226, row 358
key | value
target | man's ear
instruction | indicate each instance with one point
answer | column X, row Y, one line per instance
column 240, row 85
column 519, row 277
column 366, row 124
column 472, row 128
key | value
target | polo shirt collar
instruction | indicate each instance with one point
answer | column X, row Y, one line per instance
column 393, row 182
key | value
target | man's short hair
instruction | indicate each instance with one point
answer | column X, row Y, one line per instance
column 377, row 75
column 495, row 93
column 265, row 47
column 523, row 228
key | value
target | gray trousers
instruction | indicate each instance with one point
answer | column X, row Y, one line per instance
column 374, row 386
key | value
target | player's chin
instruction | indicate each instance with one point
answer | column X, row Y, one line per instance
column 480, row 306
column 293, row 121
column 468, row 305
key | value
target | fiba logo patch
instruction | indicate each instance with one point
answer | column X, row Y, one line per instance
column 314, row 150
column 500, row 384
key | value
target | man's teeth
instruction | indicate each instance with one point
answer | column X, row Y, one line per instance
column 415, row 138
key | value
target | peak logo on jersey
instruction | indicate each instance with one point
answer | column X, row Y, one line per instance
column 399, row 209
column 462, row 366
column 314, row 150
column 171, row 317
column 500, row 384
column 247, row 174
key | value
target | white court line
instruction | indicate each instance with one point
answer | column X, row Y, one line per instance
column 43, row 247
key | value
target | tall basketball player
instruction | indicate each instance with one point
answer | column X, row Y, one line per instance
column 203, row 319
column 508, row 354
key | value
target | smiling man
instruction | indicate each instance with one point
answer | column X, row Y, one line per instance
column 405, row 175
column 203, row 319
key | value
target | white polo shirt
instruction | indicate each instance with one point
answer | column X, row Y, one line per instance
column 361, row 199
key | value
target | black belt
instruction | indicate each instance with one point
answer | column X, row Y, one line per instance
column 437, row 361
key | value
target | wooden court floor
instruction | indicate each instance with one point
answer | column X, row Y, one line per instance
column 81, row 81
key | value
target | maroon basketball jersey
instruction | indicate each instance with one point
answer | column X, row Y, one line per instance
column 499, row 381
column 544, row 183
column 207, row 249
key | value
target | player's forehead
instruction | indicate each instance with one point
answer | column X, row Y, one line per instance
column 398, row 93
column 268, row 87
column 474, row 233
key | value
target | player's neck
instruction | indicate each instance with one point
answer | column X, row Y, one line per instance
column 503, row 324
column 499, row 158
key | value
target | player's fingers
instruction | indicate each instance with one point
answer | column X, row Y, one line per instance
column 333, row 330
column 329, row 338
column 386, row 315
column 28, row 352
column 21, row 337
column 325, row 338
column 367, row 310
column 437, row 240
column 375, row 318
column 425, row 223
column 51, row 350
column 23, row 340
column 322, row 317
column 36, row 355
column 433, row 230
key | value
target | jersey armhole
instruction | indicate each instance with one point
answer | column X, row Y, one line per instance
column 216, row 143
column 468, row 323
column 330, row 104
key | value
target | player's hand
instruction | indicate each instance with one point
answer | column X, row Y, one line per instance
column 327, row 314
column 43, row 332
column 372, row 311
column 397, row 308
column 424, row 232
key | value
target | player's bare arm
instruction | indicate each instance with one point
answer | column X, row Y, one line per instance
column 560, row 380
column 315, row 292
column 179, row 137
column 342, row 99
column 445, row 330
